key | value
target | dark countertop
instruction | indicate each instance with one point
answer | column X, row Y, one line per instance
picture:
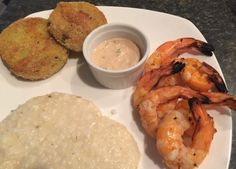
column 213, row 18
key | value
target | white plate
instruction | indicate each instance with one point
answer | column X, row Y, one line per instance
column 76, row 78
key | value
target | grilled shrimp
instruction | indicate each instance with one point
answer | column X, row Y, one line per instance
column 169, row 137
column 176, row 153
column 169, row 51
column 201, row 76
column 171, row 96
column 158, row 71
column 197, row 75
column 149, row 106
column 150, row 79
column 194, row 74
column 168, row 127
column 220, row 99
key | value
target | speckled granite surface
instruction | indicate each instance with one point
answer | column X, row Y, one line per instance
column 213, row 18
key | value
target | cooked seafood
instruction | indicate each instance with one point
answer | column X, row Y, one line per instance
column 148, row 108
column 151, row 78
column 157, row 122
column 220, row 99
column 201, row 76
column 169, row 51
column 71, row 22
column 158, row 71
column 197, row 75
column 169, row 137
column 29, row 51
column 171, row 96
column 193, row 74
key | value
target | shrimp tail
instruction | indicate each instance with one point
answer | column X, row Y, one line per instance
column 206, row 48
column 193, row 103
column 230, row 103
column 173, row 68
column 218, row 83
column 220, row 99
column 203, row 120
column 215, row 77
column 150, row 79
column 184, row 44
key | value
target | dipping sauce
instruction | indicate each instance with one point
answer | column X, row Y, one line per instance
column 116, row 54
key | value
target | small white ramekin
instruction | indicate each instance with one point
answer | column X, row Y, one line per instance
column 112, row 78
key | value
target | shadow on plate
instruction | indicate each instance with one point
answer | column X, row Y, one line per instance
column 19, row 82
column 149, row 143
column 75, row 55
column 219, row 109
column 25, row 83
column 86, row 75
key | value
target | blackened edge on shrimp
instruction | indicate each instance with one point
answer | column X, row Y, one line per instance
column 206, row 48
column 205, row 100
column 193, row 101
column 215, row 77
column 231, row 103
column 220, row 85
column 220, row 99
column 177, row 67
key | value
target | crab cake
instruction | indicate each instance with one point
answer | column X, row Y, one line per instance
column 29, row 51
column 71, row 22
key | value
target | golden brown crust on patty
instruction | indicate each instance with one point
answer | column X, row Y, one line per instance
column 71, row 22
column 29, row 51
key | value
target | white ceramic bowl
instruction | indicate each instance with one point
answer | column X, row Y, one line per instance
column 112, row 78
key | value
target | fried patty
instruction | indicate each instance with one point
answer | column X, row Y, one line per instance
column 71, row 22
column 29, row 51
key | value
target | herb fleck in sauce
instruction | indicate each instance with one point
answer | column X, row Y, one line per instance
column 116, row 54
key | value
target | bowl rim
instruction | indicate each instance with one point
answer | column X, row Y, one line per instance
column 126, row 26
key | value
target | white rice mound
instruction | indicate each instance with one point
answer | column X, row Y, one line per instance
column 62, row 131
